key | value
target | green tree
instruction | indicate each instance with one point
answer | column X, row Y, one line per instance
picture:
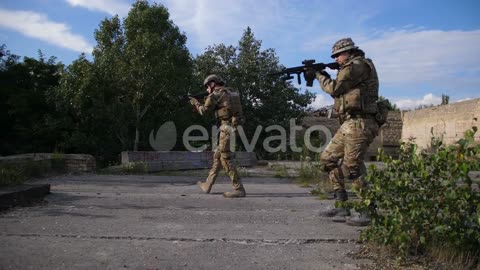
column 266, row 100
column 158, row 62
column 88, row 112
column 24, row 87
column 391, row 106
column 139, row 69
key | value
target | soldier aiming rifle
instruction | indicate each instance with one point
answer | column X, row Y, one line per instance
column 225, row 102
column 355, row 93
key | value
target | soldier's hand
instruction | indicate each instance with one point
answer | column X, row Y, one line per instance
column 324, row 73
column 194, row 101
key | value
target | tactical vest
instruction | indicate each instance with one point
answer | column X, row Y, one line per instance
column 229, row 106
column 363, row 97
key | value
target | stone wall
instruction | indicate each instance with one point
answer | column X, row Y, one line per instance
column 448, row 121
column 80, row 163
column 182, row 160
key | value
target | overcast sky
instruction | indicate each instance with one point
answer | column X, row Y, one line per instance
column 422, row 49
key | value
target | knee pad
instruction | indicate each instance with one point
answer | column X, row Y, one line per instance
column 354, row 174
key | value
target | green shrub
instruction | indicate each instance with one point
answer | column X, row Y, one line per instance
column 11, row 175
column 425, row 198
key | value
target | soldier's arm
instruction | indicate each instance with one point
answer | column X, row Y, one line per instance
column 326, row 83
column 347, row 78
column 209, row 104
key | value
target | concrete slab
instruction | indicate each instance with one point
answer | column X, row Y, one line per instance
column 165, row 222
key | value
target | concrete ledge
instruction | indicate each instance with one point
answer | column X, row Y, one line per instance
column 70, row 163
column 22, row 195
column 182, row 160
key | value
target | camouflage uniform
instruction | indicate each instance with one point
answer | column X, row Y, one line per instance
column 221, row 102
column 355, row 91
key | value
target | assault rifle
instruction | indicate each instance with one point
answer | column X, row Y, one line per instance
column 307, row 65
column 187, row 97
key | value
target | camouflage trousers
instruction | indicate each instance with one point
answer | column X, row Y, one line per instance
column 223, row 157
column 345, row 153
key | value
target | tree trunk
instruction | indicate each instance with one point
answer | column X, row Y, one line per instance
column 137, row 139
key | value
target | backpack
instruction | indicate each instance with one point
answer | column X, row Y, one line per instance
column 382, row 111
column 236, row 107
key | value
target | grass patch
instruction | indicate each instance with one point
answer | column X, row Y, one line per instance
column 444, row 257
column 280, row 171
column 437, row 257
column 311, row 176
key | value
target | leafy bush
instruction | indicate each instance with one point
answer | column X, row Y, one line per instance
column 425, row 198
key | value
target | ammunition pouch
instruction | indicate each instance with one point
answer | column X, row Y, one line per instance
column 349, row 102
column 223, row 113
column 352, row 101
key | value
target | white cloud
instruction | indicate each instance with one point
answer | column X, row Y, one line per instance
column 321, row 100
column 210, row 22
column 440, row 58
column 38, row 26
column 428, row 99
column 111, row 7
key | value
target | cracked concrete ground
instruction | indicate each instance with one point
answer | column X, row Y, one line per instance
column 165, row 222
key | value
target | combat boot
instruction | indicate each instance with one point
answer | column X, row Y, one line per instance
column 362, row 220
column 340, row 195
column 205, row 186
column 236, row 193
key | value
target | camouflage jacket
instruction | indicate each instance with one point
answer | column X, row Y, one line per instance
column 355, row 88
column 226, row 104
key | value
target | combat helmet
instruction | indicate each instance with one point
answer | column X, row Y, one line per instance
column 213, row 77
column 343, row 45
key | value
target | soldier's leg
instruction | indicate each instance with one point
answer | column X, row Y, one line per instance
column 330, row 160
column 226, row 158
column 361, row 134
column 212, row 174
column 216, row 167
column 231, row 170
